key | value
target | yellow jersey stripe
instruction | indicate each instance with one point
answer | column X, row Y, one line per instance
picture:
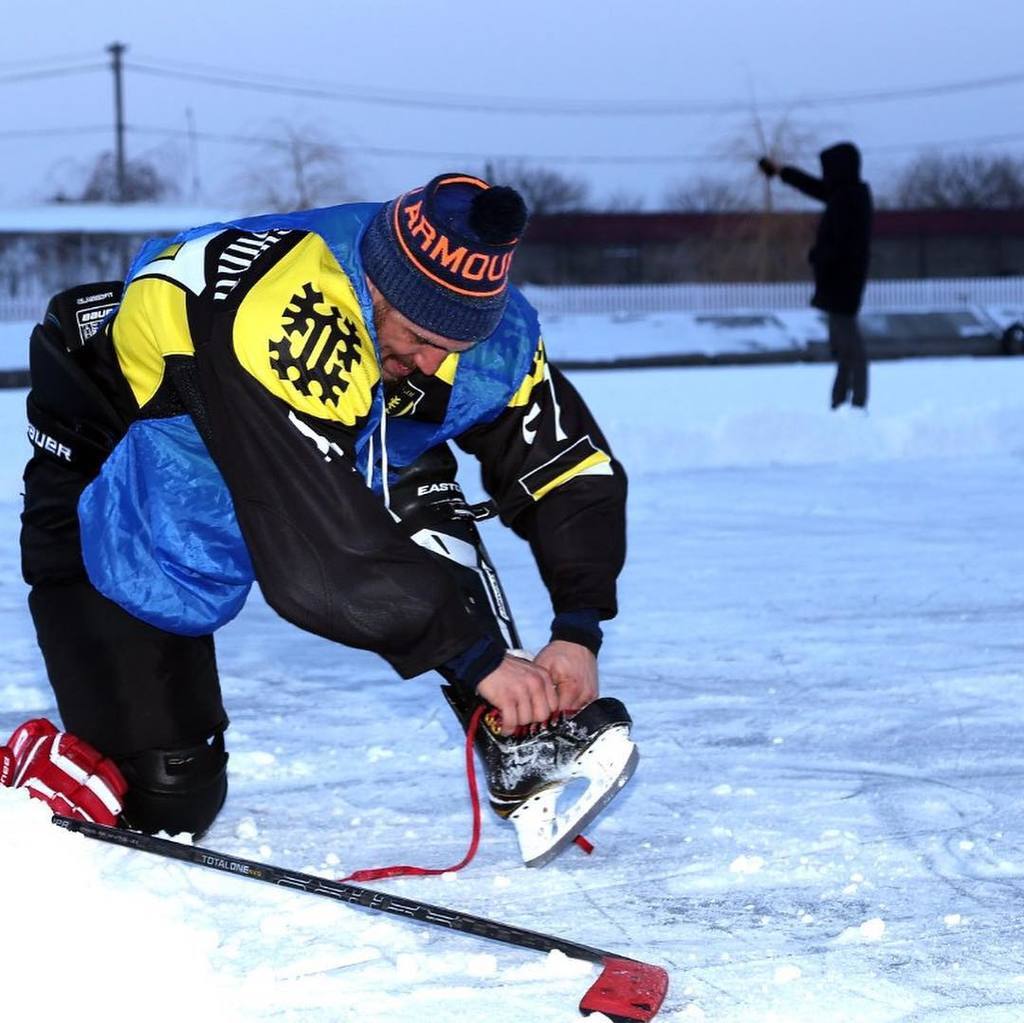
column 597, row 458
column 532, row 379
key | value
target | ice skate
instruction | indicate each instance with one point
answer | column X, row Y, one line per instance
column 528, row 774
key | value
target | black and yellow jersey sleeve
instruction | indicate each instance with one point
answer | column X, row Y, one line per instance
column 152, row 321
column 551, row 473
column 299, row 332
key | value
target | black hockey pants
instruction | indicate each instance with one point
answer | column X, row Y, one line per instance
column 148, row 699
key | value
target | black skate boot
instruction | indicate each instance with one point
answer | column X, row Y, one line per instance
column 528, row 772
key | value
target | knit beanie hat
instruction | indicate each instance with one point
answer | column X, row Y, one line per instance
column 441, row 254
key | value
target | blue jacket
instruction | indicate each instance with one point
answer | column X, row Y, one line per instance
column 159, row 531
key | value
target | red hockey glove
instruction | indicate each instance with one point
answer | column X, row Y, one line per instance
column 63, row 771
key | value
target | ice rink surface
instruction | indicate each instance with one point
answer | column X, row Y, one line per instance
column 821, row 641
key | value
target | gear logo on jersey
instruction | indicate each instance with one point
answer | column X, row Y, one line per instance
column 319, row 349
column 300, row 331
column 404, row 398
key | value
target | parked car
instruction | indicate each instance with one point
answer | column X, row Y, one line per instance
column 1013, row 339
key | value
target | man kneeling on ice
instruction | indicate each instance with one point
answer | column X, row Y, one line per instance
column 272, row 400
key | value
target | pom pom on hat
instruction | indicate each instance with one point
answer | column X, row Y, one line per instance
column 498, row 215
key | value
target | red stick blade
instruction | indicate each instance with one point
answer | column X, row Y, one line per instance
column 626, row 991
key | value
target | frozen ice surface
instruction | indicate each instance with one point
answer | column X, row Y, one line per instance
column 821, row 643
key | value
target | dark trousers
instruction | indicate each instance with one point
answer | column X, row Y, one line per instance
column 847, row 348
column 120, row 684
column 148, row 699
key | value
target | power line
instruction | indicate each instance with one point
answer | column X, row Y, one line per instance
column 550, row 106
column 441, row 154
column 582, row 158
column 914, row 92
column 984, row 140
column 21, row 76
column 341, row 93
column 66, row 58
column 207, row 136
column 309, row 87
column 12, row 133
column 561, row 158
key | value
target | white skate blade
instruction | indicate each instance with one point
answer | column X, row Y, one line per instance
column 543, row 832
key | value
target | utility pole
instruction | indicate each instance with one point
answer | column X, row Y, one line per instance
column 116, row 51
column 193, row 152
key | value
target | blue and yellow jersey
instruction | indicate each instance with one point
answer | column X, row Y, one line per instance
column 263, row 440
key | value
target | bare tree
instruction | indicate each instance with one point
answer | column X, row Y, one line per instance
column 782, row 140
column 543, row 189
column 143, row 182
column 961, row 181
column 709, row 195
column 748, row 240
column 298, row 168
column 623, row 201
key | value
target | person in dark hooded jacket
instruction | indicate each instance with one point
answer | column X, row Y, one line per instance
column 840, row 257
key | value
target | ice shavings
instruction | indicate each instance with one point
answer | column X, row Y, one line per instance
column 869, row 930
column 787, row 973
column 246, row 829
column 555, row 965
column 747, row 865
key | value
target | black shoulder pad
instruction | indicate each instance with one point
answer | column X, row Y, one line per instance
column 74, row 316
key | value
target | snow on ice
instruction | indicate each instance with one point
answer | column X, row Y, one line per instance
column 821, row 644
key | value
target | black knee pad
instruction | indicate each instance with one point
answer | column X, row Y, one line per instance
column 176, row 790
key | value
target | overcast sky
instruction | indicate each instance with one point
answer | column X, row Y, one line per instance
column 476, row 79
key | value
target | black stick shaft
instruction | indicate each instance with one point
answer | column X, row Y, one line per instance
column 340, row 891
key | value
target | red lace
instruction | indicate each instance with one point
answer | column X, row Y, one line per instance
column 376, row 873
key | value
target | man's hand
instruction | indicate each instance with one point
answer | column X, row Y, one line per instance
column 573, row 669
column 768, row 167
column 63, row 771
column 523, row 692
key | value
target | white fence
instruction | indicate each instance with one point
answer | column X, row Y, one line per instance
column 636, row 299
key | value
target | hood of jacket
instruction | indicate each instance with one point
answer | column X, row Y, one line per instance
column 840, row 164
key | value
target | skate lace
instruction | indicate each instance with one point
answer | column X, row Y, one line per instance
column 405, row 870
column 492, row 720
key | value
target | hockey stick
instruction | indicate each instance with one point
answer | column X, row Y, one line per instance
column 626, row 990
